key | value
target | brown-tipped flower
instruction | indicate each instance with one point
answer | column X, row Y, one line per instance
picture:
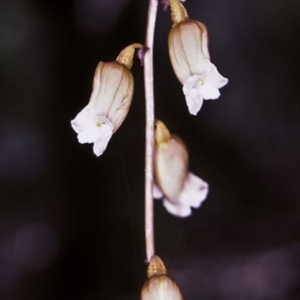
column 179, row 188
column 109, row 103
column 159, row 285
column 189, row 55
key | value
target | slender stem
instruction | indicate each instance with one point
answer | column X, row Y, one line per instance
column 149, row 96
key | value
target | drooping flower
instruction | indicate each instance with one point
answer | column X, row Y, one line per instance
column 179, row 188
column 189, row 55
column 109, row 103
column 159, row 285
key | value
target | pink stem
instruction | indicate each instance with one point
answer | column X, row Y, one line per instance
column 149, row 97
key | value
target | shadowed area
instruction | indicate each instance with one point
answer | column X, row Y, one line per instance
column 71, row 224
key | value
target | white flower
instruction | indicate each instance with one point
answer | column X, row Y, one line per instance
column 180, row 189
column 189, row 55
column 109, row 103
column 205, row 86
column 108, row 106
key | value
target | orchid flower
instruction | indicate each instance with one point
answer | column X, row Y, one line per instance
column 189, row 55
column 179, row 188
column 110, row 101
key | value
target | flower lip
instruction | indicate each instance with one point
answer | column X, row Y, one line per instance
column 92, row 128
column 192, row 195
column 203, row 87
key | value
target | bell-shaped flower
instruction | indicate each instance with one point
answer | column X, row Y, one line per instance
column 109, row 103
column 159, row 285
column 189, row 55
column 179, row 188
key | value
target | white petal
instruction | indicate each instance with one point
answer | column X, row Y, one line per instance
column 203, row 86
column 208, row 91
column 191, row 83
column 87, row 136
column 92, row 128
column 157, row 193
column 101, row 144
column 215, row 78
column 177, row 209
column 193, row 97
column 194, row 103
column 194, row 191
column 82, row 120
column 193, row 194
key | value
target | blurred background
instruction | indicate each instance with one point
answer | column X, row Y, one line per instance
column 71, row 224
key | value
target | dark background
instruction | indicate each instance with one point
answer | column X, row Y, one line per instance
column 71, row 224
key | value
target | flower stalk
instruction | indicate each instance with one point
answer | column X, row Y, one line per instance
column 149, row 98
column 126, row 55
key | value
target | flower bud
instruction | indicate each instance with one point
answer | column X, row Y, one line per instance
column 179, row 188
column 159, row 285
column 109, row 103
column 189, row 55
